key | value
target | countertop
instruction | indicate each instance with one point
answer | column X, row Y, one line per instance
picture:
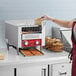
column 12, row 59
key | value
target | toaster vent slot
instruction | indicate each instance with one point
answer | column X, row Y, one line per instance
column 32, row 29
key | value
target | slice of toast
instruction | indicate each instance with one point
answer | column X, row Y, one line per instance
column 1, row 57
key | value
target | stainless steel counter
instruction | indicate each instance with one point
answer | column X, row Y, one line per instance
column 12, row 59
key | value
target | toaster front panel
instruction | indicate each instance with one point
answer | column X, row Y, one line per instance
column 33, row 42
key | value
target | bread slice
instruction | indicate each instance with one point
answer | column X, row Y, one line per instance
column 1, row 57
column 26, row 53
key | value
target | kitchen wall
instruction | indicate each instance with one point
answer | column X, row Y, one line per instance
column 27, row 9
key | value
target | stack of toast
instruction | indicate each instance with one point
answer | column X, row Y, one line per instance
column 53, row 44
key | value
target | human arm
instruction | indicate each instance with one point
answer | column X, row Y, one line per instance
column 63, row 23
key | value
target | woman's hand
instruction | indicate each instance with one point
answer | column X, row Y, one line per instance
column 45, row 17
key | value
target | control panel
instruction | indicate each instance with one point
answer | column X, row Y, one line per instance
column 35, row 42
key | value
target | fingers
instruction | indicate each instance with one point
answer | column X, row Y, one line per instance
column 38, row 21
column 45, row 17
column 42, row 18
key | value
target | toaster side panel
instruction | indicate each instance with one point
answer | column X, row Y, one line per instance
column 11, row 34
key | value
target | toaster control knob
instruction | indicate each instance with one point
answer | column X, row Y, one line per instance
column 36, row 42
column 25, row 43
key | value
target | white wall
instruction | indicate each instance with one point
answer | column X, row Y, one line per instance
column 22, row 9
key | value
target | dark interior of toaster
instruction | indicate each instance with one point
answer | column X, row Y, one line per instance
column 37, row 29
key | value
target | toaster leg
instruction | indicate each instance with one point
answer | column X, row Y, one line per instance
column 7, row 46
column 17, row 51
